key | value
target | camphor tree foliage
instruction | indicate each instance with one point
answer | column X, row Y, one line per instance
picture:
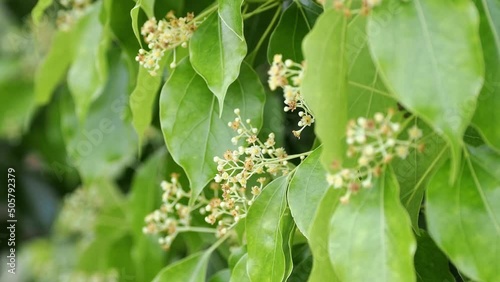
column 336, row 140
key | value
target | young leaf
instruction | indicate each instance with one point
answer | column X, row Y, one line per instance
column 373, row 231
column 294, row 24
column 266, row 235
column 190, row 269
column 87, row 75
column 464, row 218
column 430, row 51
column 430, row 263
column 239, row 273
column 487, row 116
column 189, row 116
column 55, row 64
column 325, row 82
column 148, row 7
column 217, row 51
column 319, row 231
column 306, row 190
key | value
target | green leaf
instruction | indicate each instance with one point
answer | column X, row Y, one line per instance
column 239, row 273
column 39, row 9
column 413, row 173
column 266, row 234
column 294, row 24
column 142, row 99
column 105, row 143
column 487, row 117
column 307, row 188
column 144, row 198
column 366, row 92
column 319, row 231
column 190, row 269
column 325, row 82
column 464, row 218
column 373, row 231
column 430, row 263
column 189, row 116
column 216, row 52
column 87, row 75
column 55, row 64
column 430, row 51
column 230, row 15
column 148, row 7
column 16, row 111
column 221, row 276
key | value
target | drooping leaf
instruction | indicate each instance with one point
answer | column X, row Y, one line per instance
column 325, row 82
column 148, row 7
column 39, row 9
column 487, row 116
column 143, row 97
column 307, row 188
column 104, row 144
column 190, row 269
column 430, row 51
column 414, row 171
column 373, row 231
column 430, row 263
column 239, row 273
column 217, row 52
column 266, row 235
column 190, row 121
column 322, row 269
column 144, row 198
column 55, row 64
column 294, row 24
column 464, row 218
column 88, row 72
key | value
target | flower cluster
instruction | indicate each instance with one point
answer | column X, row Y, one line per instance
column 280, row 75
column 375, row 143
column 163, row 35
column 174, row 215
column 80, row 210
column 235, row 168
column 73, row 10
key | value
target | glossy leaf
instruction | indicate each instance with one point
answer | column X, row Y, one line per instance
column 230, row 14
column 430, row 51
column 430, row 263
column 487, row 116
column 105, row 144
column 266, row 235
column 322, row 269
column 239, row 273
column 325, row 82
column 216, row 51
column 88, row 72
column 190, row 121
column 373, row 231
column 464, row 218
column 54, row 66
column 307, row 188
column 413, row 173
column 294, row 24
column 190, row 269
